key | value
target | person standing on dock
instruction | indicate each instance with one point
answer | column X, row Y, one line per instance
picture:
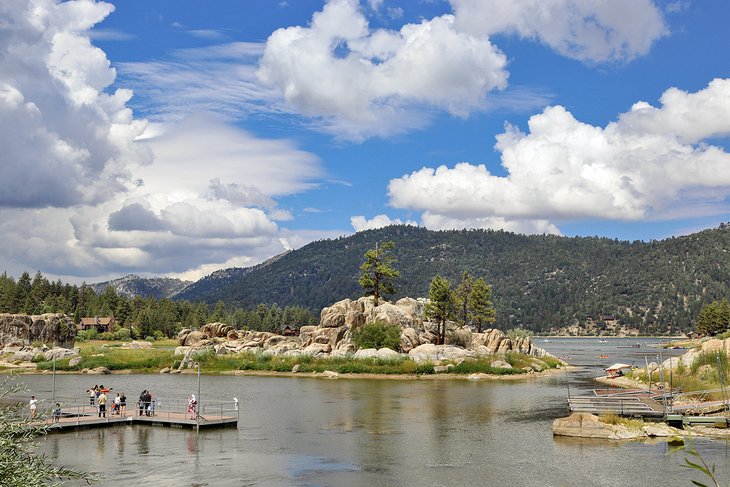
column 123, row 405
column 102, row 405
column 148, row 403
column 33, row 404
column 140, row 403
column 191, row 406
column 92, row 395
column 56, row 413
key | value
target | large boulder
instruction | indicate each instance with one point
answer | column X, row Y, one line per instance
column 391, row 314
column 586, row 425
column 334, row 316
column 433, row 353
column 50, row 328
column 216, row 330
column 193, row 338
column 409, row 339
column 59, row 353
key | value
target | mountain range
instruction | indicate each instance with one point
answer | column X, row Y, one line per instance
column 538, row 281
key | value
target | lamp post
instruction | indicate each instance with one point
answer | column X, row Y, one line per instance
column 197, row 412
column 53, row 392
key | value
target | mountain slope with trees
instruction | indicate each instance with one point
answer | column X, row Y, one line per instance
column 539, row 282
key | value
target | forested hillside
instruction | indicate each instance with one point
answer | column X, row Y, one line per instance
column 539, row 282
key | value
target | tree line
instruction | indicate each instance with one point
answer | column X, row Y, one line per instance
column 145, row 316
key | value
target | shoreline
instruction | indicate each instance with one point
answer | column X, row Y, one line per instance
column 309, row 375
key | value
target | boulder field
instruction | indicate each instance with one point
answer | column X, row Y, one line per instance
column 333, row 336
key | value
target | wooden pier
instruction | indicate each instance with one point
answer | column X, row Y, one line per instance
column 629, row 405
column 210, row 415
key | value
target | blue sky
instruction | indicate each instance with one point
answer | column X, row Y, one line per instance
column 179, row 137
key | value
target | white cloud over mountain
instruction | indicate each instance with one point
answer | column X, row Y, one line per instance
column 647, row 164
column 587, row 30
column 360, row 223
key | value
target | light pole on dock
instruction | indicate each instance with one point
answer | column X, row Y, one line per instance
column 197, row 412
column 53, row 392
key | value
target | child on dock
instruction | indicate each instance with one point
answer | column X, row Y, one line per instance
column 191, row 406
column 56, row 413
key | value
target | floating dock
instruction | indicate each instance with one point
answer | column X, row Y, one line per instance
column 210, row 415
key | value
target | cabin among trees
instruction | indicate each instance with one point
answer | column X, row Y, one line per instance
column 100, row 324
column 288, row 331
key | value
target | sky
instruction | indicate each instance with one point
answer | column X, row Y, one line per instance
column 178, row 137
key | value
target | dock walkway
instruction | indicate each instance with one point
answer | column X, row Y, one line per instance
column 210, row 415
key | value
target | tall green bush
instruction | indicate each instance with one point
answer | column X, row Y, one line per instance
column 377, row 334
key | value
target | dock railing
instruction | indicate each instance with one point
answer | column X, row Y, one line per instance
column 79, row 410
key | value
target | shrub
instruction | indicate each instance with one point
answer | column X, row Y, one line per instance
column 107, row 335
column 519, row 333
column 123, row 334
column 377, row 334
column 149, row 338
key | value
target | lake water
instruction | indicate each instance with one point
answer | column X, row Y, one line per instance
column 357, row 432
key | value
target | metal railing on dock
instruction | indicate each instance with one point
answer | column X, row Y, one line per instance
column 620, row 405
column 77, row 412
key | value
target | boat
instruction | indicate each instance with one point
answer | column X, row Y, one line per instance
column 602, row 340
column 603, row 356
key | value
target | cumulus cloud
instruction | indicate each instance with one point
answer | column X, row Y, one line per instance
column 435, row 221
column 647, row 164
column 340, row 70
column 65, row 140
column 360, row 223
column 588, row 30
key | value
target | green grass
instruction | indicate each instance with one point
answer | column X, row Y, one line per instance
column 97, row 353
column 94, row 355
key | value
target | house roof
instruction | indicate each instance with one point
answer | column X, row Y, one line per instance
column 105, row 320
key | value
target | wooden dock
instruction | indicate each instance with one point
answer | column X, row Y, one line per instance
column 212, row 415
column 630, row 405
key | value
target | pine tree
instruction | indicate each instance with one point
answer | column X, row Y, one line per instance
column 441, row 305
column 461, row 296
column 481, row 308
column 377, row 273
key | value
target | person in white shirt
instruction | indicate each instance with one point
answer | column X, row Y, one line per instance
column 33, row 406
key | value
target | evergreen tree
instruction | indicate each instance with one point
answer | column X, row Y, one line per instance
column 481, row 309
column 440, row 306
column 377, row 273
column 461, row 297
column 21, row 301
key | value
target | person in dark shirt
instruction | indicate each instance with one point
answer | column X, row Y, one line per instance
column 140, row 403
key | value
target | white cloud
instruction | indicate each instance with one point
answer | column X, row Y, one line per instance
column 217, row 79
column 588, row 30
column 434, row 221
column 360, row 82
column 648, row 164
column 220, row 209
column 360, row 223
column 65, row 140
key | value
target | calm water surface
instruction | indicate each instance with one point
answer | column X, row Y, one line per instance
column 317, row 432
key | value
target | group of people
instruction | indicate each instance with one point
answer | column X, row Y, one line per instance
column 55, row 412
column 146, row 404
column 98, row 397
